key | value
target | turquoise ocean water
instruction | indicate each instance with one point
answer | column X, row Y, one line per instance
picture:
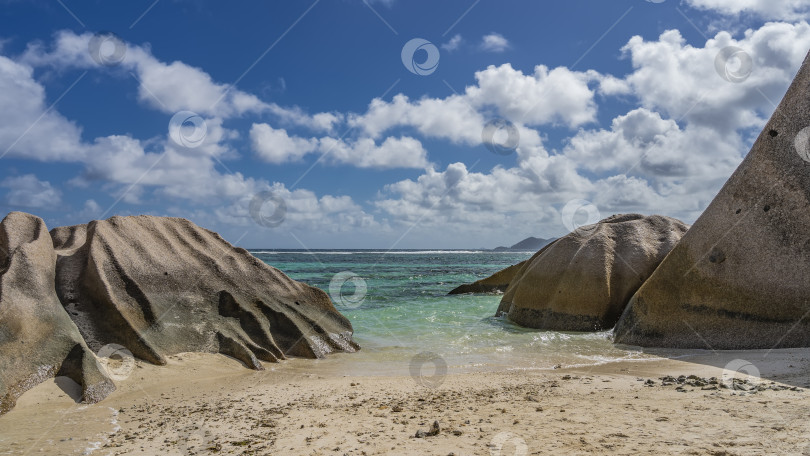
column 405, row 311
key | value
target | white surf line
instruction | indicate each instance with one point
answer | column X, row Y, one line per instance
column 97, row 445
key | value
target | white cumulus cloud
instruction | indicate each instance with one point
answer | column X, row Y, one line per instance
column 788, row 10
column 684, row 132
column 681, row 80
column 27, row 191
column 277, row 146
column 547, row 96
column 452, row 44
column 174, row 86
column 494, row 42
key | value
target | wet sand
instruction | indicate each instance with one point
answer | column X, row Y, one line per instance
column 209, row 404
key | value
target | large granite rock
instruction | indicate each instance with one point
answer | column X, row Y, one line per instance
column 583, row 281
column 497, row 282
column 37, row 338
column 155, row 286
column 160, row 286
column 740, row 278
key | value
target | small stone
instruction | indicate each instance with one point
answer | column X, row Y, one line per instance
column 434, row 430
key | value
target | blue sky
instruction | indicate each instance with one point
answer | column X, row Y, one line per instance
column 307, row 110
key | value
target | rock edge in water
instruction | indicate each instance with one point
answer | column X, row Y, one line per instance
column 497, row 282
column 583, row 281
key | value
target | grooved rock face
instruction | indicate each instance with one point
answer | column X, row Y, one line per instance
column 582, row 281
column 37, row 338
column 153, row 285
column 739, row 279
column 161, row 286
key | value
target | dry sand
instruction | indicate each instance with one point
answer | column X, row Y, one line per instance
column 209, row 404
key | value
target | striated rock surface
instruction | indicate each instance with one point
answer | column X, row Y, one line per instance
column 160, row 286
column 155, row 286
column 583, row 281
column 739, row 279
column 494, row 283
column 37, row 338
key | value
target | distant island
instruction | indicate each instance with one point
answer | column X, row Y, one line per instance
column 530, row 243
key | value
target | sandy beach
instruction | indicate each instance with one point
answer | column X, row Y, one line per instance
column 207, row 404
